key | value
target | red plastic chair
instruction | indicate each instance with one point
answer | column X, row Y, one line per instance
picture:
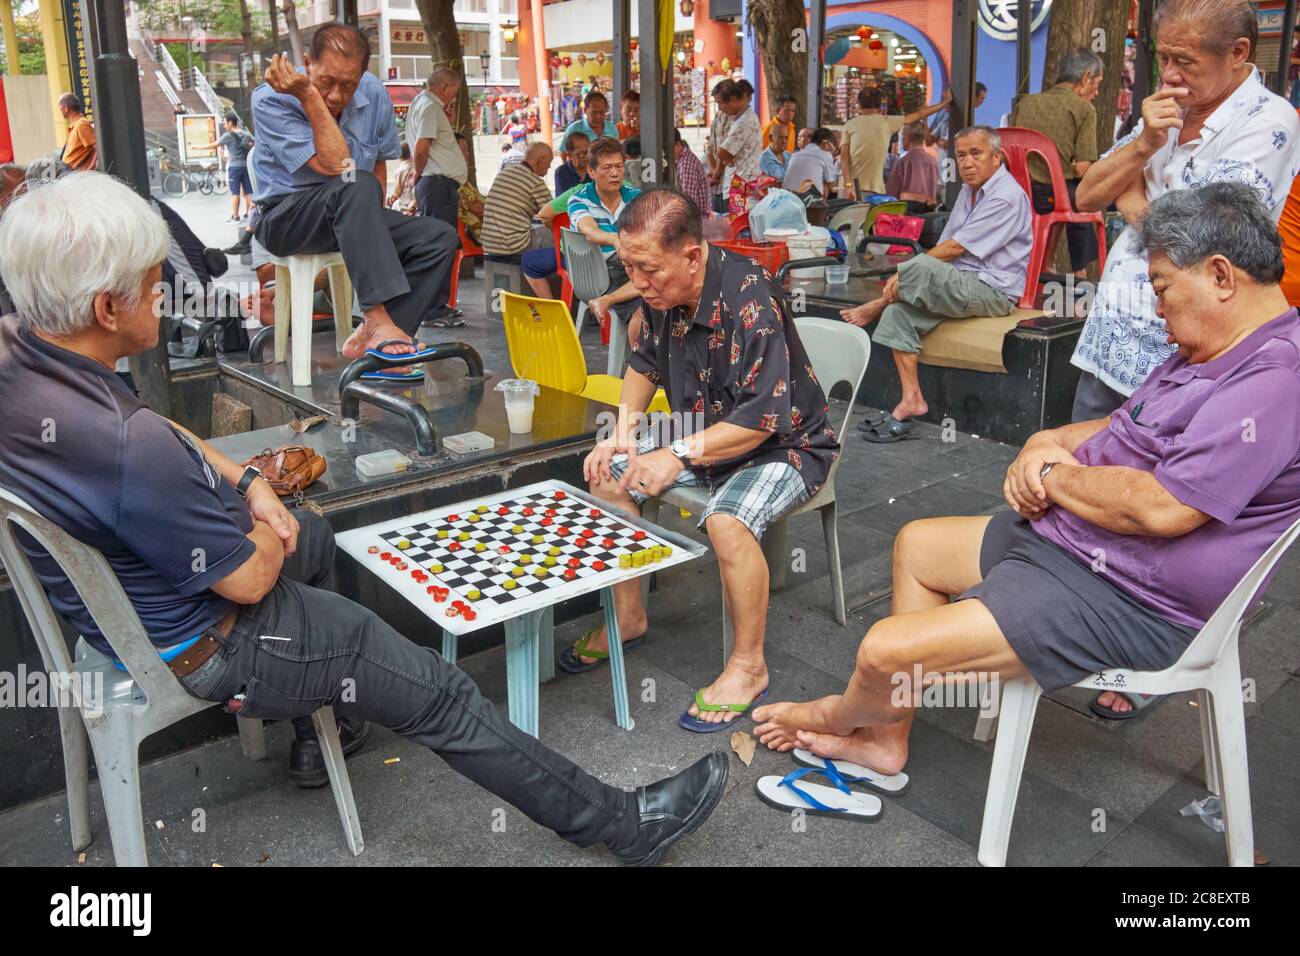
column 468, row 245
column 738, row 226
column 455, row 278
column 1017, row 144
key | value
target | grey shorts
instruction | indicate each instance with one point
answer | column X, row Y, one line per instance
column 756, row 495
column 1063, row 620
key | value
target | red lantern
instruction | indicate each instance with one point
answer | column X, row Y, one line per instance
column 567, row 62
column 875, row 45
column 582, row 59
column 634, row 46
column 864, row 33
column 600, row 57
column 555, row 63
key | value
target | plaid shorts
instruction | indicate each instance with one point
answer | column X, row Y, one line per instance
column 756, row 495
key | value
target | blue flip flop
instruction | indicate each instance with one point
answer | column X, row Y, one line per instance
column 421, row 352
column 697, row 726
column 414, row 375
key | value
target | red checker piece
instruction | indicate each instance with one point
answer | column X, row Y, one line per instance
column 386, row 556
column 608, row 543
column 452, row 611
column 373, row 549
column 547, row 522
column 401, row 565
column 598, row 565
column 550, row 512
column 453, row 546
column 575, row 563
column 594, row 513
column 585, row 533
column 528, row 511
column 638, row 535
column 453, row 517
column 570, row 574
column 504, row 549
column 468, row 613
column 560, row 496
column 562, row 531
column 503, row 510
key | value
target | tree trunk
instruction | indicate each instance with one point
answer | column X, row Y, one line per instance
column 784, row 52
column 1072, row 25
column 275, row 25
column 291, row 26
column 439, row 22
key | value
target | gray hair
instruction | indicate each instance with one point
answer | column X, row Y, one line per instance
column 995, row 141
column 1220, row 23
column 66, row 242
column 1077, row 63
column 1222, row 219
column 442, row 76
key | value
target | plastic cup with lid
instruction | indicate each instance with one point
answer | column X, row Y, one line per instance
column 519, row 394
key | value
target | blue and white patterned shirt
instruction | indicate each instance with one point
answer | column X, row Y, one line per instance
column 1252, row 138
column 585, row 204
column 285, row 142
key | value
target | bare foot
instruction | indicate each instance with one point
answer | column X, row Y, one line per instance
column 865, row 314
column 735, row 685
column 779, row 724
column 905, row 410
column 600, row 640
column 370, row 333
column 1116, row 702
column 881, row 749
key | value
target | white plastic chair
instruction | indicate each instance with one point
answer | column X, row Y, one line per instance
column 295, row 281
column 1211, row 666
column 853, row 217
column 839, row 353
column 136, row 703
column 295, row 285
column 589, row 275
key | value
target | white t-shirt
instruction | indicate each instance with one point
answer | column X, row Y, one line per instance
column 811, row 162
column 425, row 119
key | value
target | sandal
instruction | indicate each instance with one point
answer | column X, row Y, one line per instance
column 815, row 800
column 888, row 431
column 570, row 659
column 697, row 726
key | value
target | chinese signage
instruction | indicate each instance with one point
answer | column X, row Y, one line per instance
column 78, row 55
column 407, row 36
column 1270, row 21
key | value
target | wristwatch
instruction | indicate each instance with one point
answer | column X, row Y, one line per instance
column 681, row 450
column 246, row 480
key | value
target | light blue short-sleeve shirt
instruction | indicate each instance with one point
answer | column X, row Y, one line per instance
column 285, row 142
column 996, row 230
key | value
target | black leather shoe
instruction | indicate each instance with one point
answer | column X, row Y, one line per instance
column 307, row 763
column 675, row 807
column 238, row 249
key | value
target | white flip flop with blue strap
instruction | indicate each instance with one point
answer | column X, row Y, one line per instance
column 792, row 793
column 891, row 786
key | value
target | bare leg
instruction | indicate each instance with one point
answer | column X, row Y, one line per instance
column 627, row 596
column 933, row 558
column 541, row 287
column 744, row 588
column 913, row 402
column 377, row 327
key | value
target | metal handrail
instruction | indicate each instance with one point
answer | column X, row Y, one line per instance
column 165, row 60
column 206, row 93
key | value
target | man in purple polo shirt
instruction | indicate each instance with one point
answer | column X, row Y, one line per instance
column 1127, row 532
column 977, row 269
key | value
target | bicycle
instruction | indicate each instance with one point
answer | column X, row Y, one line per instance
column 210, row 179
column 175, row 179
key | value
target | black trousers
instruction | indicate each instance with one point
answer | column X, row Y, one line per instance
column 438, row 197
column 303, row 646
column 1081, row 238
column 401, row 262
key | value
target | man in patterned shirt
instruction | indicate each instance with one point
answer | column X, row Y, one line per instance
column 692, row 178
column 749, row 423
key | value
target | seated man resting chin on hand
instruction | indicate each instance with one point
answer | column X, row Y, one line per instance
column 1127, row 532
column 750, row 426
column 229, row 589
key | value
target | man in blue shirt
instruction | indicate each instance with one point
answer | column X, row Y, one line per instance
column 573, row 171
column 212, row 562
column 593, row 211
column 595, row 122
column 324, row 136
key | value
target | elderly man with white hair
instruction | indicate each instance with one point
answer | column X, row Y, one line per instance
column 1212, row 120
column 210, row 558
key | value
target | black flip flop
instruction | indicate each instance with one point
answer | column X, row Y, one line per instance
column 1141, row 704
column 572, row 662
column 889, row 431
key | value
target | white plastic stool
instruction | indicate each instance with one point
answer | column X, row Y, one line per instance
column 1211, row 666
column 295, row 282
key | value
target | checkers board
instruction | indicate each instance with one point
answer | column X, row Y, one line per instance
column 484, row 555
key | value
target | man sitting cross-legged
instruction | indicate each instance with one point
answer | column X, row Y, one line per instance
column 748, row 415
column 323, row 139
column 229, row 588
column 1127, row 532
column 977, row 269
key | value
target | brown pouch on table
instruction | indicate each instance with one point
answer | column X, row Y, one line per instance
column 290, row 469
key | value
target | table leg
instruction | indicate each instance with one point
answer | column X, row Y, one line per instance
column 617, row 675
column 521, row 670
column 546, row 646
column 448, row 646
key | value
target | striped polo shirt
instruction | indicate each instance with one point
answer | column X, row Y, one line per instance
column 585, row 203
column 516, row 195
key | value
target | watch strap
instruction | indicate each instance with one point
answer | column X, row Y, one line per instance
column 246, row 480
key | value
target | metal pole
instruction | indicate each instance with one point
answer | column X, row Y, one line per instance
column 965, row 36
column 816, row 33
column 656, row 97
column 622, row 56
column 1024, row 19
column 1141, row 64
column 1284, row 49
column 120, row 132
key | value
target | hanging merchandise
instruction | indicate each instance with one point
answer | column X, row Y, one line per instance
column 555, row 63
column 566, row 61
column 600, row 58
column 582, row 59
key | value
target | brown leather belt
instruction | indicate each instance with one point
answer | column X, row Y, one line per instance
column 183, row 665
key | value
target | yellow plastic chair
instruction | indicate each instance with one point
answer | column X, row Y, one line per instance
column 544, row 347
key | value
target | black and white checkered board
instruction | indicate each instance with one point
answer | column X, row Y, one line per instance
column 465, row 569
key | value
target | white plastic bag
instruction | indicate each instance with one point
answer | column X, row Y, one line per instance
column 779, row 209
